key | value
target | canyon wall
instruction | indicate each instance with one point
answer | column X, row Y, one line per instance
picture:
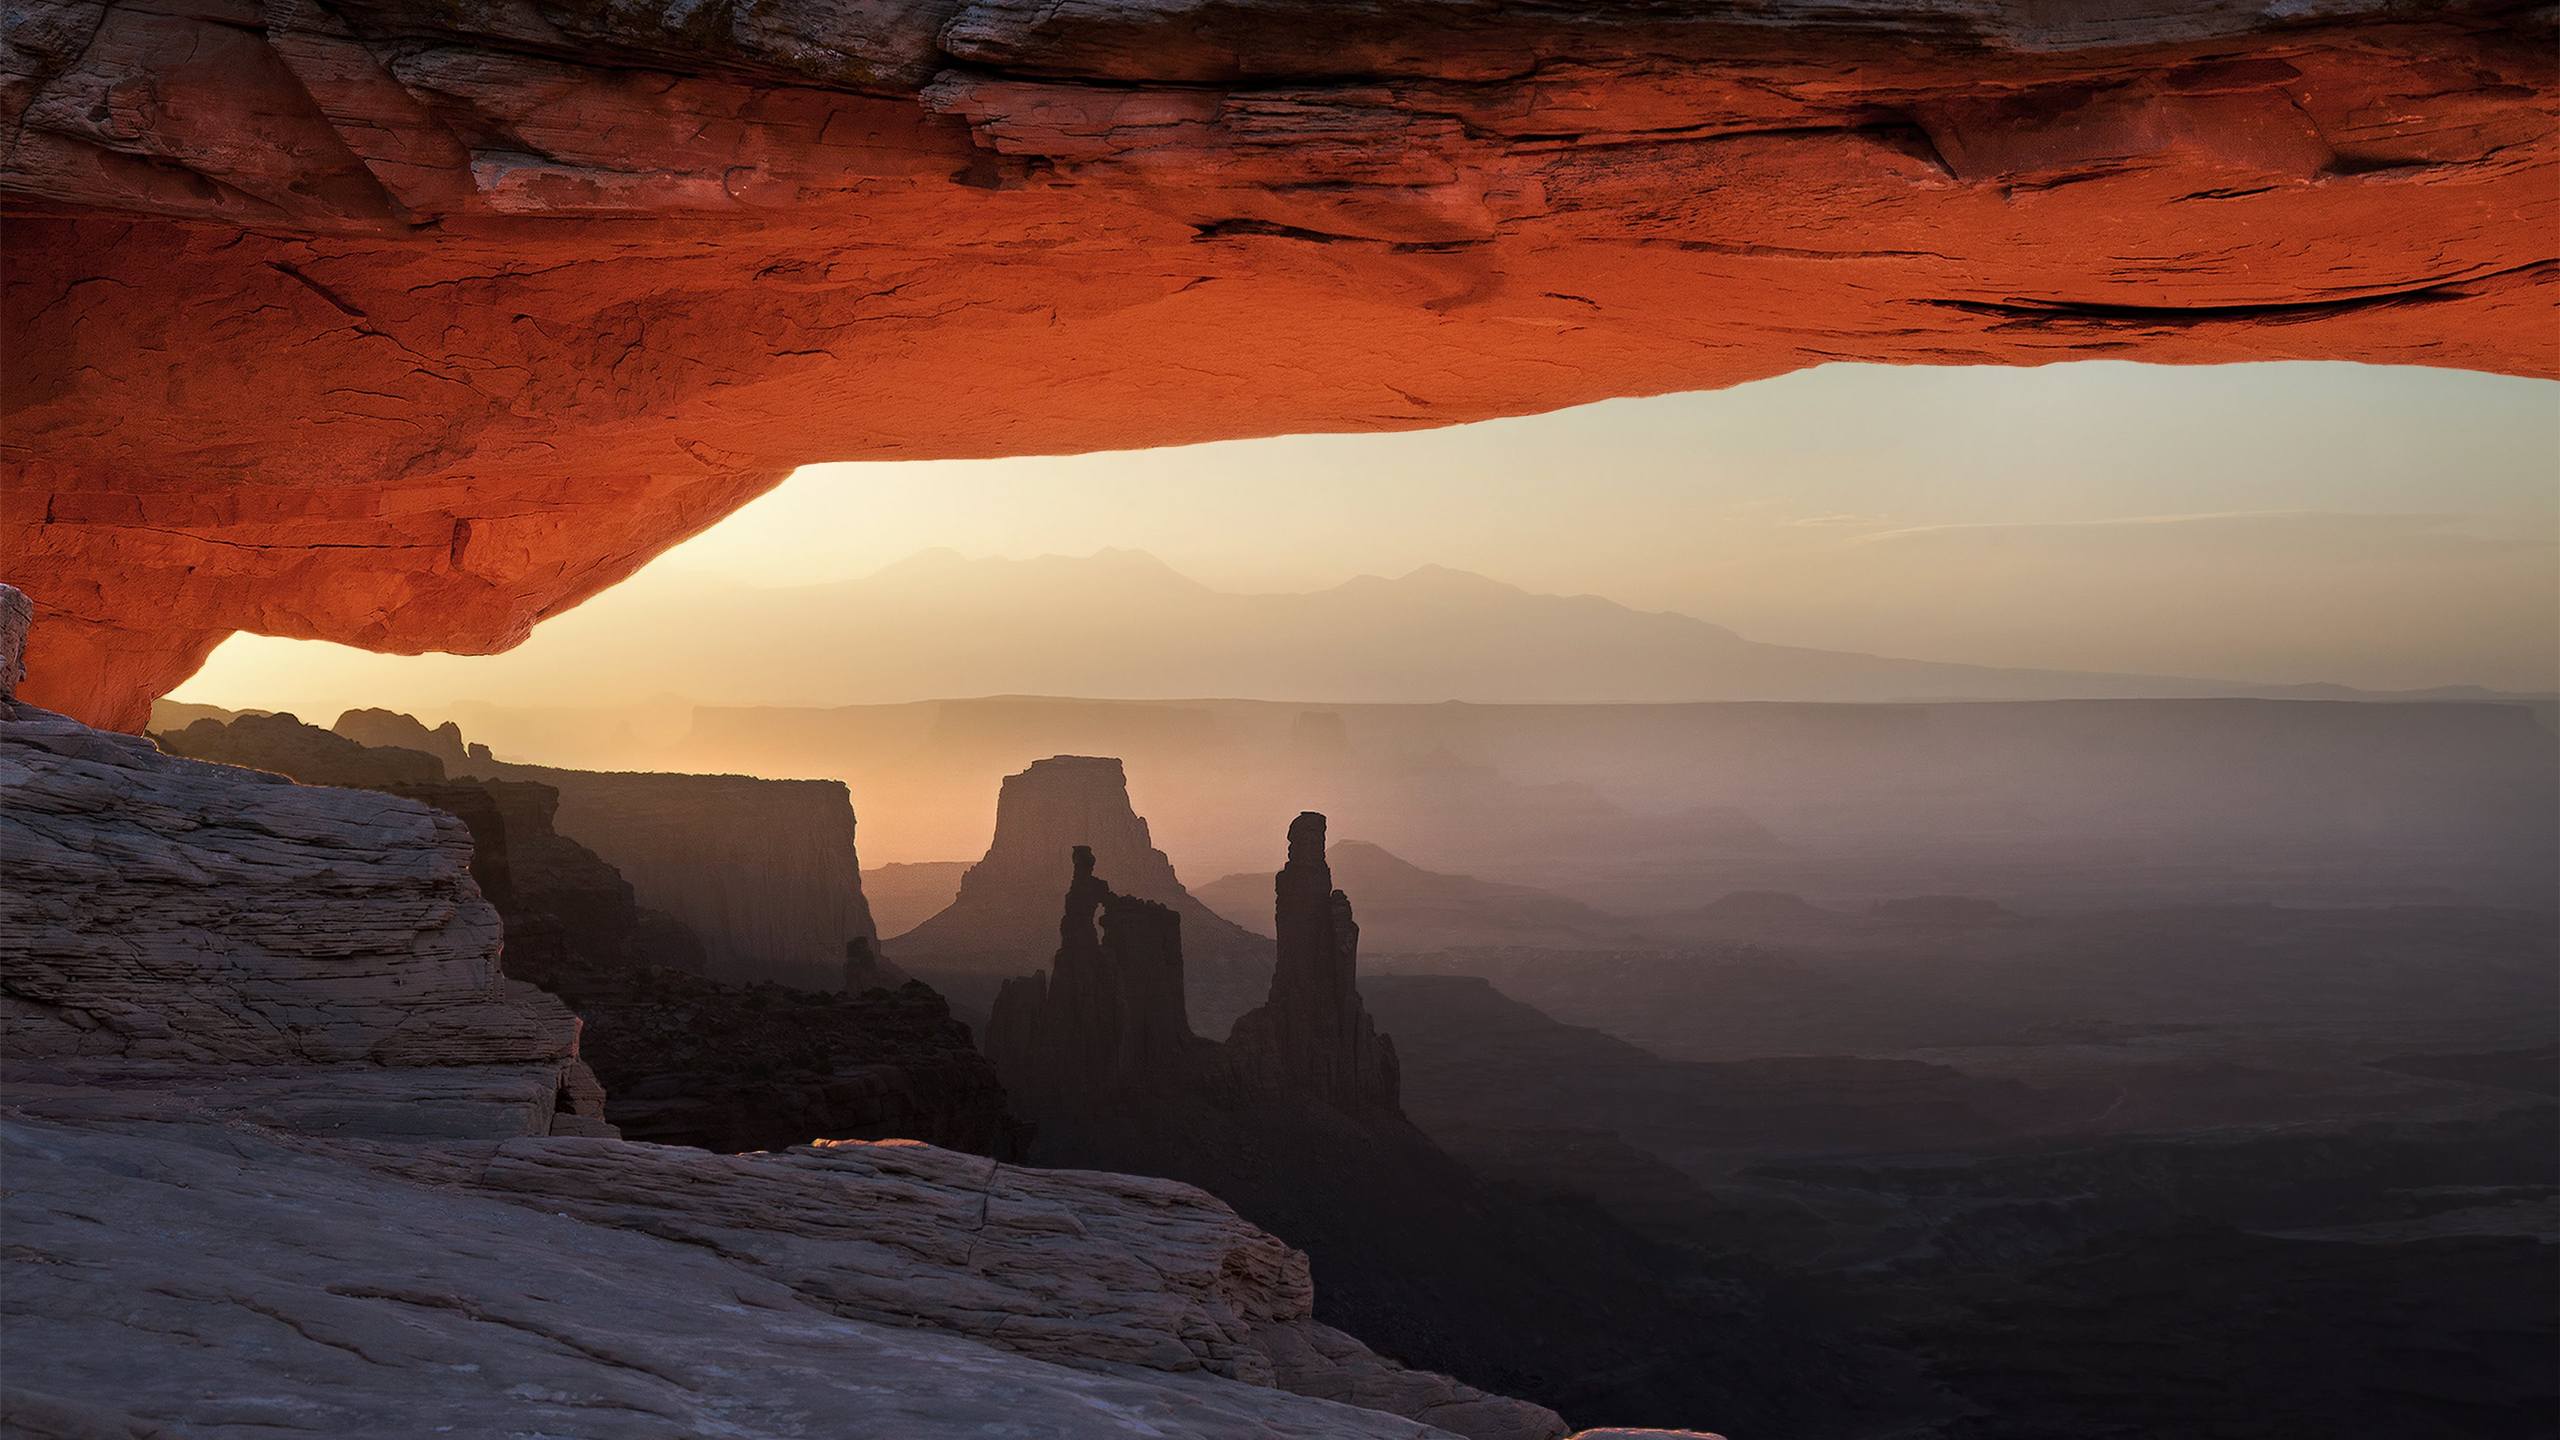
column 763, row 871
column 390, row 729
column 527, row 291
column 2299, row 801
column 686, row 1059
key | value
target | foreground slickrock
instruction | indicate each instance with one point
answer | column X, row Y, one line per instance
column 526, row 291
column 286, row 1150
column 170, row 913
column 221, row 1281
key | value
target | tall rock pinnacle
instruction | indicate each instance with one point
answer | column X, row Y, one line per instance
column 1107, row 1016
column 1314, row 1034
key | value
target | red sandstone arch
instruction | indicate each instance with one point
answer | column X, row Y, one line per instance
column 406, row 324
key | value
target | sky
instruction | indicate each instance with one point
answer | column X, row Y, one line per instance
column 2385, row 527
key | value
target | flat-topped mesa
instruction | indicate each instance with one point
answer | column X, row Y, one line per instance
column 764, row 872
column 1007, row 906
column 1314, row 1034
column 1108, row 1016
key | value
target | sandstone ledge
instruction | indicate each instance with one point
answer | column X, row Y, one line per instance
column 222, row 1281
column 527, row 291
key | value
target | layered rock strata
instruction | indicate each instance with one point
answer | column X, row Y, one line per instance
column 297, row 954
column 528, row 291
column 257, row 1176
column 763, row 871
column 160, row 1262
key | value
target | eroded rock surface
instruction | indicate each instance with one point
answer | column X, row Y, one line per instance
column 527, row 291
column 220, row 920
column 390, row 729
column 1108, row 1016
column 763, row 872
column 220, row 1280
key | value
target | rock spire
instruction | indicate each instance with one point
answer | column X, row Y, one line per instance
column 1313, row 1034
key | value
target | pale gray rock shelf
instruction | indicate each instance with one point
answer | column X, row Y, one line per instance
column 219, row 1281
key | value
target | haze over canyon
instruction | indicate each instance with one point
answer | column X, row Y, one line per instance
column 1280, row 719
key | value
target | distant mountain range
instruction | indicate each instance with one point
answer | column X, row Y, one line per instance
column 1123, row 624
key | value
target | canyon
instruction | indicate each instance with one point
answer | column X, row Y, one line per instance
column 2041, row 1062
column 285, row 1131
column 529, row 291
column 1626, row 807
column 764, row 871
column 1296, row 1119
column 2071, row 1176
column 1408, row 908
